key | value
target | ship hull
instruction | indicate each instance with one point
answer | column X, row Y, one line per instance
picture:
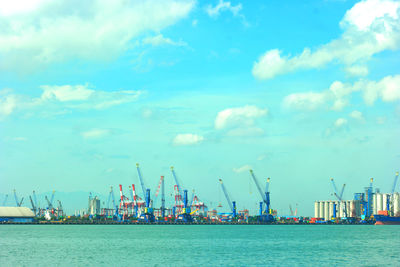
column 386, row 220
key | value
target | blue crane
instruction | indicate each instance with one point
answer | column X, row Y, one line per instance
column 115, row 206
column 162, row 198
column 35, row 200
column 264, row 216
column 232, row 204
column 108, row 200
column 148, row 215
column 389, row 203
column 339, row 197
column 141, row 180
column 5, row 200
column 33, row 205
column 19, row 203
column 185, row 216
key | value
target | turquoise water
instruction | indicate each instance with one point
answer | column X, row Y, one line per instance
column 196, row 245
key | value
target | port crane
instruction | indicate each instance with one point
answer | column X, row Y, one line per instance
column 339, row 197
column 265, row 215
column 19, row 203
column 5, row 200
column 148, row 214
column 35, row 200
column 185, row 215
column 232, row 204
column 389, row 203
column 33, row 205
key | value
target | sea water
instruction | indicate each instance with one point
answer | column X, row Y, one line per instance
column 199, row 245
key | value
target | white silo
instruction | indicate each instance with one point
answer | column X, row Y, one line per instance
column 330, row 210
column 316, row 209
column 326, row 210
column 396, row 204
column 378, row 202
column 385, row 200
column 321, row 209
column 374, row 207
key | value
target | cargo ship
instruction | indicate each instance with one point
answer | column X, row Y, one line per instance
column 386, row 220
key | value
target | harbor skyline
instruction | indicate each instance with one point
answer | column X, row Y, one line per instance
column 298, row 92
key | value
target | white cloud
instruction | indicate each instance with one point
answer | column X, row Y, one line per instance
column 238, row 117
column 357, row 70
column 66, row 92
column 187, row 139
column 58, row 99
column 355, row 114
column 7, row 105
column 341, row 122
column 159, row 40
column 338, row 94
column 36, row 33
column 370, row 27
column 20, row 139
column 95, row 133
column 242, row 169
column 223, row 6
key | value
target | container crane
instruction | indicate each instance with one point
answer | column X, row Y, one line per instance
column 339, row 197
column 5, row 200
column 185, row 215
column 49, row 205
column 148, row 215
column 52, row 198
column 389, row 203
column 232, row 204
column 115, row 206
column 266, row 215
column 35, row 200
column 19, row 203
column 33, row 205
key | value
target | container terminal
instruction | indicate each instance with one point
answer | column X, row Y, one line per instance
column 368, row 207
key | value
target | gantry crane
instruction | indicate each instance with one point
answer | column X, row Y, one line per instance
column 33, row 205
column 185, row 216
column 232, row 204
column 264, row 216
column 19, row 203
column 389, row 203
column 148, row 214
column 340, row 198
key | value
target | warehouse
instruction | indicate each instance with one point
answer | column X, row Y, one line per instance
column 16, row 214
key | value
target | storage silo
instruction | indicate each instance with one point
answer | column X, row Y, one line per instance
column 330, row 210
column 396, row 204
column 326, row 210
column 321, row 209
column 385, row 200
column 378, row 202
column 316, row 209
column 374, row 207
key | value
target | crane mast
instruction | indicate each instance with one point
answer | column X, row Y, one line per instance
column 232, row 204
column 141, row 180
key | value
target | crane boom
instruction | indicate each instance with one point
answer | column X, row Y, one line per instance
column 177, row 182
column 141, row 180
column 226, row 195
column 108, row 200
column 395, row 182
column 52, row 197
column 113, row 198
column 16, row 198
column 341, row 192
column 335, row 189
column 258, row 185
column 35, row 199
column 33, row 205
column 50, row 206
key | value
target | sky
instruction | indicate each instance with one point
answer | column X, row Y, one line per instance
column 298, row 91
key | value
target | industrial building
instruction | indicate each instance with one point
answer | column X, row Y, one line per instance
column 332, row 209
column 94, row 206
column 16, row 214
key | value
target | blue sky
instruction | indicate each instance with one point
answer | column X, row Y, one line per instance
column 298, row 91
